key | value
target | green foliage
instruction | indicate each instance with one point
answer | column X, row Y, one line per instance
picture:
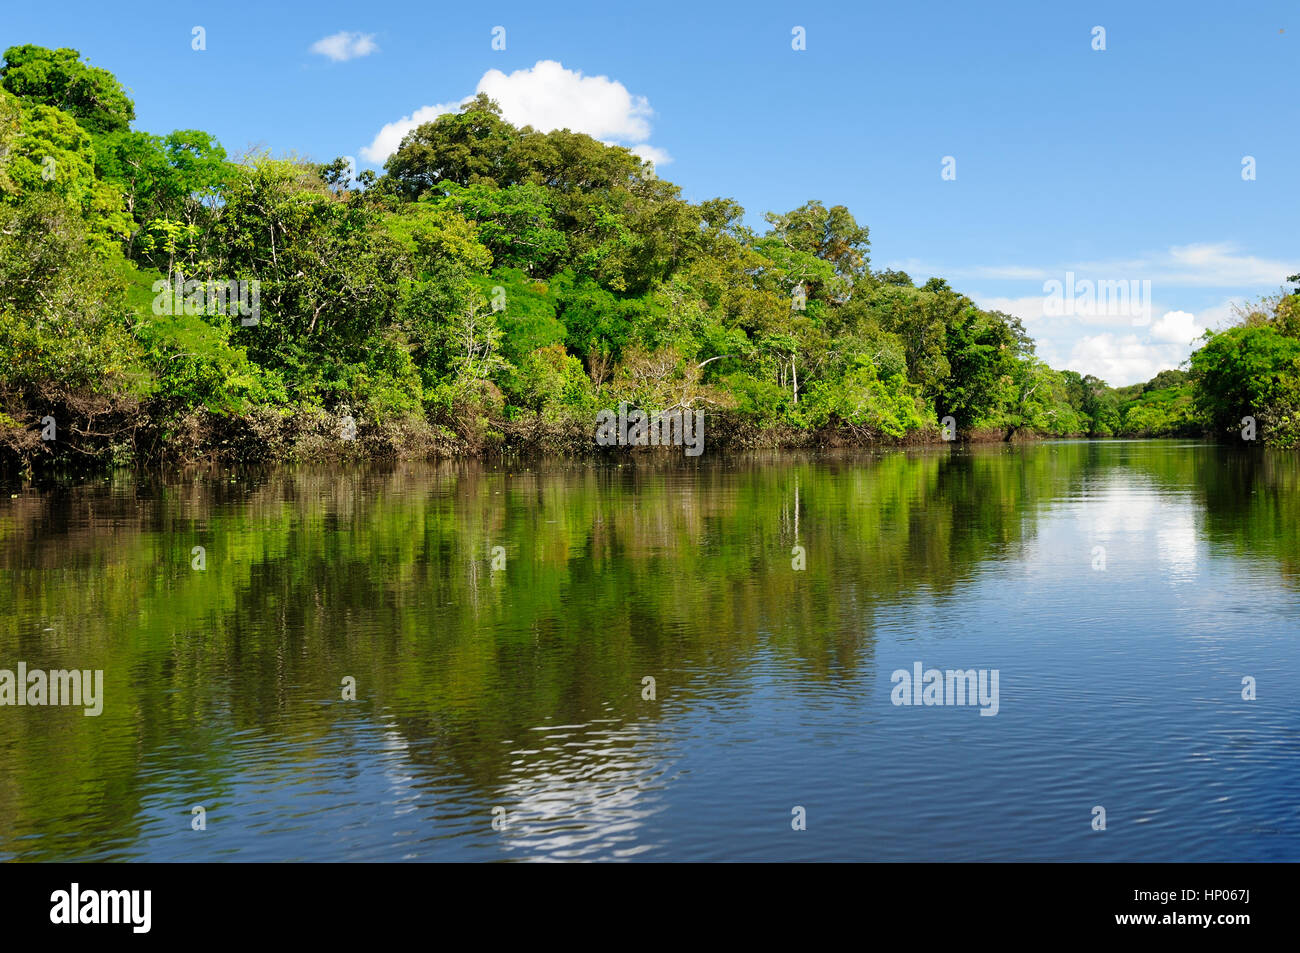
column 526, row 314
column 65, row 308
column 52, row 154
column 329, row 274
column 197, row 366
column 1249, row 370
column 759, row 400
column 497, row 279
column 1039, row 401
column 552, row 384
column 514, row 224
column 829, row 234
column 1161, row 411
column 596, row 321
column 170, row 178
column 466, row 148
column 59, row 78
column 10, row 131
column 869, row 405
column 980, row 349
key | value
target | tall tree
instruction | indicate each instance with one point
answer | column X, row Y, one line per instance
column 60, row 79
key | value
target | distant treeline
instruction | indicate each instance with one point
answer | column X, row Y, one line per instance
column 493, row 289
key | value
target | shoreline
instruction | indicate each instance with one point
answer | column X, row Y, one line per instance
column 397, row 444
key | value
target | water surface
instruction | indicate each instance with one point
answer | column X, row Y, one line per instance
column 517, row 691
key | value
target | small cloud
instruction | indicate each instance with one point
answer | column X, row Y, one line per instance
column 344, row 46
column 1177, row 327
column 652, row 154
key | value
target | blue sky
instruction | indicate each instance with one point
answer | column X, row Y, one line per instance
column 1123, row 164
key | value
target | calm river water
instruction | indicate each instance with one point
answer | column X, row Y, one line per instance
column 501, row 625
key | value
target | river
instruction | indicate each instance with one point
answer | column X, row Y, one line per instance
column 669, row 659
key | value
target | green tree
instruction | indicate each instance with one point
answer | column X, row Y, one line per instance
column 830, row 234
column 1249, row 370
column 60, row 79
column 465, row 148
column 53, row 154
column 514, row 224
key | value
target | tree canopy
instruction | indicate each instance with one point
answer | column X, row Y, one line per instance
column 493, row 287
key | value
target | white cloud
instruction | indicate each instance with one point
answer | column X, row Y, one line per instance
column 389, row 138
column 1033, row 309
column 546, row 96
column 1028, row 309
column 651, row 154
column 1220, row 316
column 1121, row 360
column 1115, row 346
column 343, row 46
column 1219, row 266
column 1119, row 356
column 1204, row 265
column 1177, row 327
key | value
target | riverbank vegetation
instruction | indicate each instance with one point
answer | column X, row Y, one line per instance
column 492, row 290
